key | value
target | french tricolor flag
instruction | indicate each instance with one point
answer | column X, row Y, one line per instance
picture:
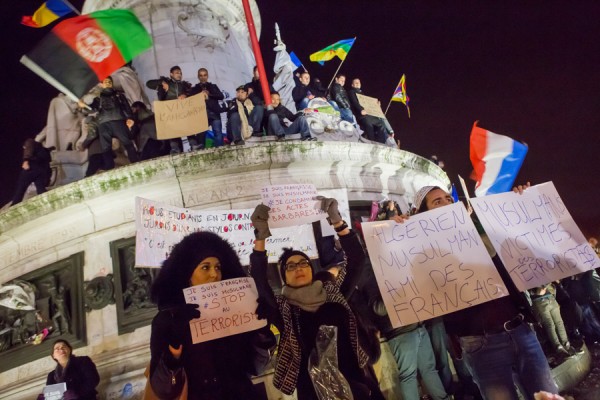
column 496, row 161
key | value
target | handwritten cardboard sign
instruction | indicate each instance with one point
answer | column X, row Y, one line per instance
column 181, row 117
column 371, row 105
column 159, row 227
column 226, row 308
column 430, row 265
column 535, row 236
column 293, row 204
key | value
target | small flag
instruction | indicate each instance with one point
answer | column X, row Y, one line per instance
column 81, row 51
column 49, row 12
column 401, row 95
column 295, row 60
column 496, row 161
column 339, row 49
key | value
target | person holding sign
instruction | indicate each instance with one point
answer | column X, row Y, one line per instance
column 309, row 300
column 219, row 369
column 498, row 345
column 78, row 373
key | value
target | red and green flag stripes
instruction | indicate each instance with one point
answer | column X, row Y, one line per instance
column 79, row 52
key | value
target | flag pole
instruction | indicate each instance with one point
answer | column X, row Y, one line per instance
column 390, row 102
column 26, row 61
column 76, row 11
column 340, row 66
column 264, row 83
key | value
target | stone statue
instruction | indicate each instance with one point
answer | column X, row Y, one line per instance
column 197, row 33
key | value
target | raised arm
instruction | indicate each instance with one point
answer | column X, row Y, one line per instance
column 354, row 253
column 267, row 304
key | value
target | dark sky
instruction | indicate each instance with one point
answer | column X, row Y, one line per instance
column 529, row 70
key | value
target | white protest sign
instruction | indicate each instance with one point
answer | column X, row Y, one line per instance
column 293, row 204
column 159, row 227
column 181, row 117
column 341, row 195
column 535, row 236
column 433, row 264
column 55, row 392
column 226, row 308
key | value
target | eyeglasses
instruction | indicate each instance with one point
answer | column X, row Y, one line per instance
column 294, row 266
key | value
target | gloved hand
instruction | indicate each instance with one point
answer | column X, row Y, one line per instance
column 262, row 309
column 260, row 220
column 330, row 206
column 180, row 326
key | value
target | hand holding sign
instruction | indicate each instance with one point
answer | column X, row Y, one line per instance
column 228, row 308
column 180, row 320
column 433, row 264
column 534, row 235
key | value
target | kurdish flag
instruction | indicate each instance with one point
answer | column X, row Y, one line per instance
column 81, row 51
column 400, row 93
column 49, row 12
column 339, row 49
column 496, row 161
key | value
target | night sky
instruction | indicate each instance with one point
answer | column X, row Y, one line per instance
column 528, row 70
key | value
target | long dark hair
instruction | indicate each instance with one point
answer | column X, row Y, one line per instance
column 174, row 276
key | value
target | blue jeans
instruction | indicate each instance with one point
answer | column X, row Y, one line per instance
column 413, row 352
column 299, row 125
column 217, row 128
column 346, row 115
column 234, row 124
column 439, row 340
column 500, row 361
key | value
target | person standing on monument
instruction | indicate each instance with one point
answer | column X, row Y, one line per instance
column 114, row 113
column 172, row 88
column 212, row 95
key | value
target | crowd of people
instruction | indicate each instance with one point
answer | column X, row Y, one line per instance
column 110, row 119
column 501, row 349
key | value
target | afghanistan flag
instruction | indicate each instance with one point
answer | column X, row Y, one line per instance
column 339, row 49
column 81, row 51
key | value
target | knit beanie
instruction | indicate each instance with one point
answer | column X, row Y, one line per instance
column 287, row 253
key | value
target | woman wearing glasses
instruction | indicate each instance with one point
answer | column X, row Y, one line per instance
column 309, row 300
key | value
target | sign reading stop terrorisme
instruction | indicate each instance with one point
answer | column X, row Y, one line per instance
column 226, row 308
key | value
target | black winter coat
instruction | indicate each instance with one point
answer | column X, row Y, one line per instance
column 80, row 375
column 219, row 369
column 214, row 95
column 111, row 106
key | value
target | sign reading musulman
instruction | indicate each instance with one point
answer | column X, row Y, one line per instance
column 181, row 117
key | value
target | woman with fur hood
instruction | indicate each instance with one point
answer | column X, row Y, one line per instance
column 218, row 369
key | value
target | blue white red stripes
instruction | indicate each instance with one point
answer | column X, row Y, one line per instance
column 496, row 161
